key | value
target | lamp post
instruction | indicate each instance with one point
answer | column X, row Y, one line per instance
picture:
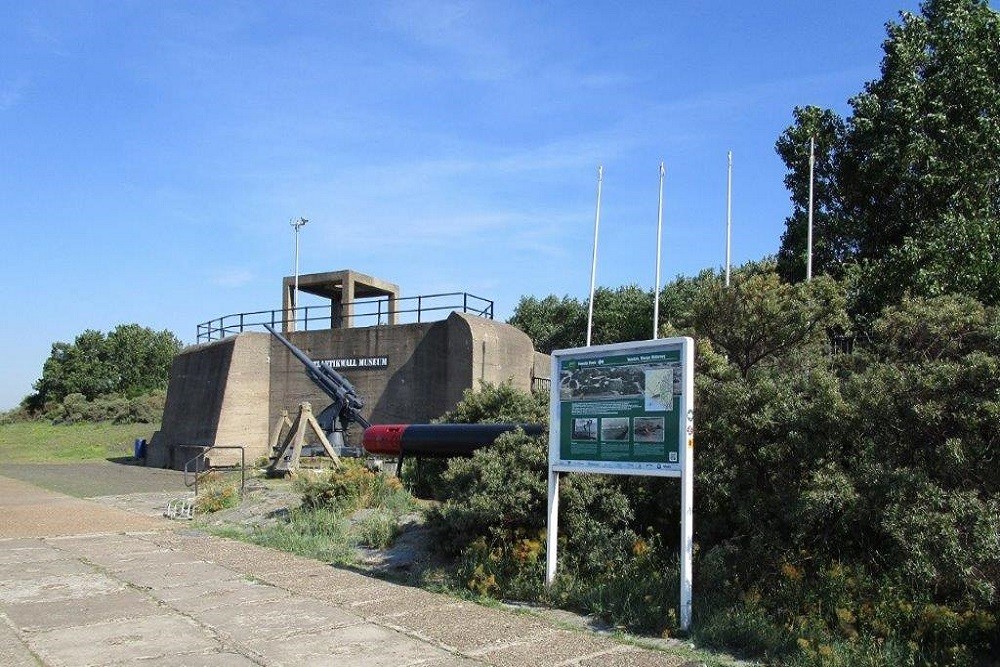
column 297, row 224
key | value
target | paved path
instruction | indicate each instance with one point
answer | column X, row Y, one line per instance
column 29, row 511
column 83, row 584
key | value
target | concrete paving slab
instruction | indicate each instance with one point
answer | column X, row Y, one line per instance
column 633, row 657
column 43, row 568
column 22, row 543
column 469, row 628
column 123, row 641
column 28, row 551
column 13, row 652
column 275, row 620
column 124, row 604
column 147, row 560
column 151, row 504
column 453, row 661
column 403, row 601
column 179, row 574
column 268, row 564
column 552, row 648
column 365, row 645
column 69, row 587
column 184, row 537
column 213, row 659
column 202, row 597
column 102, row 547
column 318, row 576
column 232, row 552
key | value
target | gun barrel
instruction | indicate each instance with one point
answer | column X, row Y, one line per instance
column 437, row 440
column 333, row 384
column 299, row 354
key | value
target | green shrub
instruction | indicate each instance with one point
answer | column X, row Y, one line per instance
column 489, row 404
column 16, row 415
column 114, row 408
column 499, row 404
column 494, row 521
column 857, row 495
column 216, row 495
column 352, row 486
column 377, row 530
column 847, row 505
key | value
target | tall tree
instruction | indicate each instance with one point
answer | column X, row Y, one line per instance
column 914, row 184
column 81, row 367
column 141, row 358
column 130, row 360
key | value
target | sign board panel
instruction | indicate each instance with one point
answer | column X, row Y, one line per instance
column 622, row 408
column 356, row 362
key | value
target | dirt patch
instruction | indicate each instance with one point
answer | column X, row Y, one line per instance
column 91, row 479
column 409, row 554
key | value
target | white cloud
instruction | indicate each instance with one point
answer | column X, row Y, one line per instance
column 12, row 92
column 232, row 277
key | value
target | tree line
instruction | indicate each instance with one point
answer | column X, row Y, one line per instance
column 119, row 376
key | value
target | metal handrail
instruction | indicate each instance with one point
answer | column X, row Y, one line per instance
column 201, row 457
column 377, row 309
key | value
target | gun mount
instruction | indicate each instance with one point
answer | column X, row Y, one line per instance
column 345, row 408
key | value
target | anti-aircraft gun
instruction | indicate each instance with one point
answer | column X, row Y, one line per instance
column 335, row 418
column 395, row 440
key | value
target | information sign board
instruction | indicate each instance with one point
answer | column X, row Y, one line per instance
column 621, row 412
column 625, row 409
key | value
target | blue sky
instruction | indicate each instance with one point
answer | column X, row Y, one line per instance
column 154, row 153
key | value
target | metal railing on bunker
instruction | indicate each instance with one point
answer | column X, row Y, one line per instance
column 363, row 312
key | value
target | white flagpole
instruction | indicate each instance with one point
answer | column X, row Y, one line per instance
column 593, row 267
column 809, row 233
column 659, row 237
column 729, row 214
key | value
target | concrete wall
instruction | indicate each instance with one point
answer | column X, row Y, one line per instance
column 232, row 391
column 217, row 395
column 429, row 367
column 391, row 394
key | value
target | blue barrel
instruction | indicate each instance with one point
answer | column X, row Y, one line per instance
column 140, row 448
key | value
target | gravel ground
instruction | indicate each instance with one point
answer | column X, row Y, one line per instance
column 91, row 479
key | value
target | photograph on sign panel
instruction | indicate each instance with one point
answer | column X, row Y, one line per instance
column 614, row 429
column 648, row 429
column 585, row 429
column 599, row 383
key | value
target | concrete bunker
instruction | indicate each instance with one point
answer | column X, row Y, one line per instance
column 410, row 360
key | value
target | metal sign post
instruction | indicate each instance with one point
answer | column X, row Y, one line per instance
column 625, row 409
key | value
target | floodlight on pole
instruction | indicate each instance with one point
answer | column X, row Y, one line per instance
column 297, row 224
column 593, row 266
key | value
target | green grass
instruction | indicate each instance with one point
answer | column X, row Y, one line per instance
column 43, row 442
column 322, row 534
